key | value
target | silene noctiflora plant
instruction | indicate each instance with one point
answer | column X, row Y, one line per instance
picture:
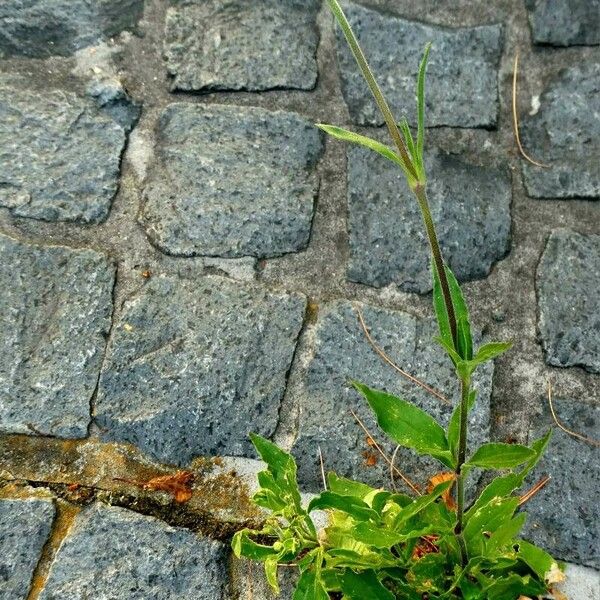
column 381, row 545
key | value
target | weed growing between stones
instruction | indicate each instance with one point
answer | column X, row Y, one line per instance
column 383, row 545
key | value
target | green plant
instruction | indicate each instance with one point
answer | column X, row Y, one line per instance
column 382, row 545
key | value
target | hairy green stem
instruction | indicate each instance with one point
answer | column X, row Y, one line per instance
column 438, row 259
column 465, row 388
column 336, row 9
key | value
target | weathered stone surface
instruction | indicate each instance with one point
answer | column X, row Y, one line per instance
column 250, row 584
column 118, row 554
column 241, row 45
column 231, row 181
column 564, row 517
column 59, row 154
column 565, row 22
column 55, row 309
column 110, row 96
column 569, row 300
column 462, row 87
column 565, row 134
column 194, row 366
column 340, row 352
column 41, row 28
column 24, row 529
column 581, row 582
column 470, row 205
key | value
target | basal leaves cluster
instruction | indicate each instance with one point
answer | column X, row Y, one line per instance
column 382, row 545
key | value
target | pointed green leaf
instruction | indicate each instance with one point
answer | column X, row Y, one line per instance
column 501, row 487
column 496, row 455
column 539, row 446
column 360, row 586
column 280, row 479
column 454, row 425
column 421, row 112
column 310, row 587
column 465, row 341
column 489, row 351
column 348, row 487
column 408, row 139
column 538, row 560
column 242, row 545
column 420, row 503
column 440, row 311
column 355, row 138
column 407, row 424
column 271, row 573
column 354, row 507
column 485, row 521
column 504, row 535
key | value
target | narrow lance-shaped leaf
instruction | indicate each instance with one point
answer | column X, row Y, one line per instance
column 454, row 425
column 362, row 140
column 408, row 138
column 407, row 424
column 496, row 455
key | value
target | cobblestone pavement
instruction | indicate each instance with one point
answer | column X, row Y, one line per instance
column 182, row 255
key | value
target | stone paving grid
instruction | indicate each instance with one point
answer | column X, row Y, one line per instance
column 73, row 204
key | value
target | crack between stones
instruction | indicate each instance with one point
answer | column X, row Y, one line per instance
column 63, row 521
column 94, row 394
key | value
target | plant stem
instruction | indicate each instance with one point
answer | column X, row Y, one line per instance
column 438, row 259
column 465, row 388
column 388, row 116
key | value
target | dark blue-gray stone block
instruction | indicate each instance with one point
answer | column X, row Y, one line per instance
column 462, row 76
column 564, row 518
column 55, row 313
column 59, row 154
column 194, row 366
column 41, row 28
column 118, row 554
column 565, row 135
column 569, row 300
column 241, row 45
column 231, row 181
column 24, row 529
column 470, row 206
column 565, row 22
column 340, row 352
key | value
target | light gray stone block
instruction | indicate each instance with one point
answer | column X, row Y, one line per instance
column 118, row 554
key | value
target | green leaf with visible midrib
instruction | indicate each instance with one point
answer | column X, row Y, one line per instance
column 496, row 455
column 360, row 586
column 407, row 424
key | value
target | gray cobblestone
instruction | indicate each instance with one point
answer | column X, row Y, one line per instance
column 565, row 135
column 194, row 366
column 232, row 182
column 55, row 308
column 216, row 45
column 470, row 204
column 24, row 529
column 462, row 88
column 48, row 27
column 118, row 554
column 565, row 22
column 569, row 300
column 59, row 154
